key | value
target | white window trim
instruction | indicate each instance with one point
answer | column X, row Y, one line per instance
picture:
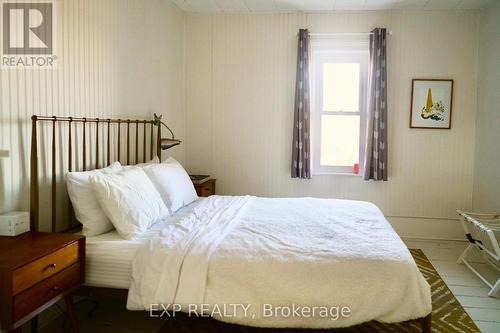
column 323, row 53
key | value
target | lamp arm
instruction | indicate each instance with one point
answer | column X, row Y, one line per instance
column 173, row 136
column 157, row 120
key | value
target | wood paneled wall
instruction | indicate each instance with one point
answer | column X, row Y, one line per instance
column 240, row 74
column 116, row 58
column 486, row 196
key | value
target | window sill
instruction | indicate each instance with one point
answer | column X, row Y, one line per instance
column 337, row 174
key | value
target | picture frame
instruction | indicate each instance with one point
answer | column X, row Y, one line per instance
column 431, row 103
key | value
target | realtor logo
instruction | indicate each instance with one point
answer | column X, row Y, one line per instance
column 27, row 34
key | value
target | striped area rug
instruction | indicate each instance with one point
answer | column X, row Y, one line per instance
column 448, row 316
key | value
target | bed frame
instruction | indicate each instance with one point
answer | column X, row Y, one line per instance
column 140, row 156
column 98, row 124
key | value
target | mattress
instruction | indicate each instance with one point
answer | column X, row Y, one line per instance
column 271, row 255
column 109, row 257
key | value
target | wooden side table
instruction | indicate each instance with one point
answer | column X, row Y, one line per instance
column 205, row 189
column 36, row 270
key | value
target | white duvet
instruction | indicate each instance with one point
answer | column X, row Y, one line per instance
column 250, row 258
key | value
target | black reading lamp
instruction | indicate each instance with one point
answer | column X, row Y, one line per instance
column 166, row 143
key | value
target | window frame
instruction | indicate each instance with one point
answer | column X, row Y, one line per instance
column 323, row 53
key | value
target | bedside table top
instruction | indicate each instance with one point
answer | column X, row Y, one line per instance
column 208, row 180
column 16, row 251
column 200, row 179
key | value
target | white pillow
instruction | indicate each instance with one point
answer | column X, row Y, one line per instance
column 130, row 201
column 173, row 183
column 85, row 205
column 155, row 160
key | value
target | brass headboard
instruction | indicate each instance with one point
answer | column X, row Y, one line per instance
column 99, row 124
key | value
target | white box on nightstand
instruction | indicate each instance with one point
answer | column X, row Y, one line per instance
column 14, row 223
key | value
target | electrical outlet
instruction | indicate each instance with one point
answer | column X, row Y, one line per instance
column 4, row 153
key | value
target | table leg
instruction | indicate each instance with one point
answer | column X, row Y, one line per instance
column 70, row 308
column 426, row 324
column 34, row 324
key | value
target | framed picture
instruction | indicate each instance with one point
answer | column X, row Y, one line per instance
column 431, row 103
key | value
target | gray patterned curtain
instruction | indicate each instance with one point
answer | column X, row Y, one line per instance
column 301, row 163
column 375, row 164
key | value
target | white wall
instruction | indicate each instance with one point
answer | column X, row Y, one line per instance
column 116, row 58
column 127, row 59
column 486, row 196
column 240, row 73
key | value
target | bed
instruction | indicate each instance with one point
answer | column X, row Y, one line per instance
column 110, row 257
column 265, row 252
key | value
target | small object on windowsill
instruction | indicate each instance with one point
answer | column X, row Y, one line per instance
column 355, row 168
column 199, row 179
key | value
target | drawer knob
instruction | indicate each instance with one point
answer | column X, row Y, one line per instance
column 52, row 266
column 54, row 288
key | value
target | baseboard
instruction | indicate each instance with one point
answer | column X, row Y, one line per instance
column 427, row 228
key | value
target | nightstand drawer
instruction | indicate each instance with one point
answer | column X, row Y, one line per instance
column 34, row 272
column 205, row 189
column 46, row 290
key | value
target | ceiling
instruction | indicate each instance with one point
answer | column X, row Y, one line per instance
column 223, row 6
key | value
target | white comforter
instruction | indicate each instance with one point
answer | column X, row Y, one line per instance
column 263, row 253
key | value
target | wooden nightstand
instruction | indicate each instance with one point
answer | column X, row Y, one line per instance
column 205, row 189
column 36, row 270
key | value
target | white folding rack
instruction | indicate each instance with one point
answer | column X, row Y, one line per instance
column 482, row 231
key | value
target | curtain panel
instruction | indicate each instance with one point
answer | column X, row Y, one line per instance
column 301, row 147
column 375, row 164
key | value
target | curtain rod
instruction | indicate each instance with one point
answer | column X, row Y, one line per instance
column 389, row 32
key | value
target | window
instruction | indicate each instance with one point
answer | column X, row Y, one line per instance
column 339, row 72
